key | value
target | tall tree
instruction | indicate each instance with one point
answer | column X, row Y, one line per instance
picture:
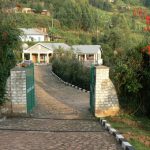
column 9, row 43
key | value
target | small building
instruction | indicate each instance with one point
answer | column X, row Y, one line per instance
column 27, row 10
column 42, row 52
column 88, row 53
column 34, row 34
column 45, row 12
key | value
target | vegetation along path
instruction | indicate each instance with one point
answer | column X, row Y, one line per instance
column 60, row 121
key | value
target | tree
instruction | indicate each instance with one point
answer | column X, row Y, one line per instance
column 107, row 6
column 77, row 15
column 9, row 44
column 52, row 33
column 94, row 40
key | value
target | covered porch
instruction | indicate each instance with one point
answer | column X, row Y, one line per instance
column 37, row 57
column 88, row 54
column 37, row 53
column 87, row 57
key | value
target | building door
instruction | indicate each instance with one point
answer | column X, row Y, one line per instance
column 35, row 58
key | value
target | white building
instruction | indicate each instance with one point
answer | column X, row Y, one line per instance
column 34, row 35
column 42, row 52
column 88, row 53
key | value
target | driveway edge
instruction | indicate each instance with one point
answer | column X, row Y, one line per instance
column 119, row 137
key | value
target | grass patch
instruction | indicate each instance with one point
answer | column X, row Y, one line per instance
column 135, row 129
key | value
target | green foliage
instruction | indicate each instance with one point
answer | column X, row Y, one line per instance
column 52, row 32
column 66, row 66
column 30, row 20
column 104, row 5
column 131, row 2
column 126, row 61
column 84, row 39
column 9, row 44
column 130, row 74
column 126, row 69
column 67, row 14
column 38, row 8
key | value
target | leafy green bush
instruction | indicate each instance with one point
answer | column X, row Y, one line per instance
column 31, row 20
column 131, row 75
column 9, row 42
column 66, row 66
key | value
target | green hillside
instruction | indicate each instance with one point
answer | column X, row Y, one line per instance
column 85, row 21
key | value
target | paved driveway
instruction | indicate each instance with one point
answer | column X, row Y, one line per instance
column 60, row 121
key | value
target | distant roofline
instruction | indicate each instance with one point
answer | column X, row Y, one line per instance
column 38, row 32
column 84, row 49
column 38, row 44
column 42, row 44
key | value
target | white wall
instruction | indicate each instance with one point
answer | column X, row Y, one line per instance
column 35, row 38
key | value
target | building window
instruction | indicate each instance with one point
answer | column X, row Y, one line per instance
column 27, row 56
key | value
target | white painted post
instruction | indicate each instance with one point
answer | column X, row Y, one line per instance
column 79, row 57
column 38, row 57
column 23, row 56
column 47, row 56
column 99, row 59
column 94, row 59
column 31, row 56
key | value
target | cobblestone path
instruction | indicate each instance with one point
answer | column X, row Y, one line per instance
column 60, row 121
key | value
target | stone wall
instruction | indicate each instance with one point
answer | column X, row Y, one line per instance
column 16, row 92
column 106, row 100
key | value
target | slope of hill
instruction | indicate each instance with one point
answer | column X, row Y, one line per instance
column 79, row 17
column 85, row 14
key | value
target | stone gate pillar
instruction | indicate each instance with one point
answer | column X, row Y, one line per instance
column 18, row 90
column 106, row 100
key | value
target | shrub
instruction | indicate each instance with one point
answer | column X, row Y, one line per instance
column 66, row 66
column 131, row 75
column 9, row 42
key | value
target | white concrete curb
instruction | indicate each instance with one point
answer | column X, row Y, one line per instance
column 69, row 84
column 127, row 146
column 120, row 139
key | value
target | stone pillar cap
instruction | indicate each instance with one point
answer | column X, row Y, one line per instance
column 101, row 67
